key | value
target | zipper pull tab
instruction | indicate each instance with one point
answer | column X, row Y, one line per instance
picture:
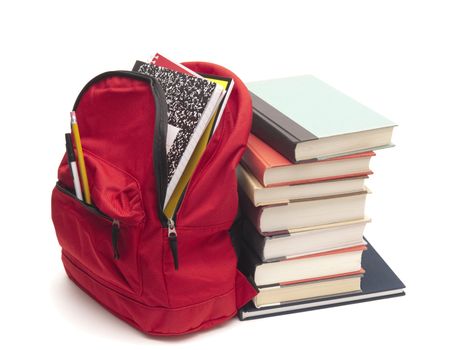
column 115, row 237
column 172, row 234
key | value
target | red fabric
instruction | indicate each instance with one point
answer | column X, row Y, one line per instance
column 116, row 121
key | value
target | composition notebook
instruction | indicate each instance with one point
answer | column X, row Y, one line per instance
column 191, row 103
column 227, row 84
column 378, row 282
column 304, row 118
column 171, row 203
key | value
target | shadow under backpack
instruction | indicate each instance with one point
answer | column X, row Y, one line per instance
column 119, row 250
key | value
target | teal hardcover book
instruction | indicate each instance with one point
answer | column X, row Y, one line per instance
column 304, row 118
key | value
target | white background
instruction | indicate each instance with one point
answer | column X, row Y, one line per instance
column 407, row 60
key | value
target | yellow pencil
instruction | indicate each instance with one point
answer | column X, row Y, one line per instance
column 81, row 165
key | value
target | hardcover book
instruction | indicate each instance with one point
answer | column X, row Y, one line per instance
column 297, row 242
column 305, row 118
column 260, row 195
column 378, row 282
column 161, row 61
column 303, row 268
column 273, row 169
column 344, row 284
column 304, row 213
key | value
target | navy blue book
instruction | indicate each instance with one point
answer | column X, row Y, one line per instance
column 378, row 282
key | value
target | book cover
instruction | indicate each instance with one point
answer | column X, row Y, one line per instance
column 191, row 102
column 258, row 241
column 226, row 82
column 275, row 218
column 378, row 282
column 260, row 195
column 249, row 263
column 162, row 61
column 313, row 289
column 259, row 157
column 294, row 110
column 171, row 204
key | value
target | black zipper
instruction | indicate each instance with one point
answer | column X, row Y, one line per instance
column 160, row 167
column 115, row 238
column 159, row 150
column 94, row 210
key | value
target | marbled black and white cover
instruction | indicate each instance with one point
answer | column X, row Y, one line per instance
column 191, row 103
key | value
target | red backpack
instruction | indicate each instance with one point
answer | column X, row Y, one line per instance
column 162, row 277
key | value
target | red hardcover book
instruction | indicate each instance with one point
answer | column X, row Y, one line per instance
column 161, row 61
column 306, row 268
column 273, row 169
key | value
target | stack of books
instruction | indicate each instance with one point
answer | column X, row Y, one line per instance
column 302, row 193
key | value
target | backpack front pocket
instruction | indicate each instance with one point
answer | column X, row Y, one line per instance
column 101, row 238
